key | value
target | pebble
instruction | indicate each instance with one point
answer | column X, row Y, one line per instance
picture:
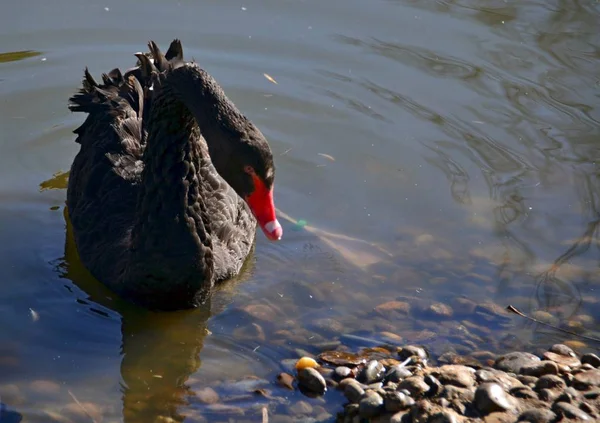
column 301, row 407
column 312, row 380
column 562, row 349
column 550, row 382
column 565, row 360
column 391, row 308
column 411, row 351
column 415, row 385
column 540, row 368
column 353, row 392
column 587, row 379
column 373, row 372
column 490, row 397
column 396, row 401
column 569, row 411
column 439, row 311
column 523, row 392
column 537, row 415
column 591, row 359
column 399, row 417
column 306, row 362
column 457, row 375
column 397, row 373
column 44, row 387
column 207, row 395
column 371, row 405
column 515, row 361
column 341, row 372
column 286, row 380
column 435, row 386
column 262, row 312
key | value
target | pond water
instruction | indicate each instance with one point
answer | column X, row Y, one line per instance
column 428, row 153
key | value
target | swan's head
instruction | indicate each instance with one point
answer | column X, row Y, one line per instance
column 256, row 186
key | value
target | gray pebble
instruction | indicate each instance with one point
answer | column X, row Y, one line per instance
column 341, row 372
column 371, row 405
column 397, row 373
column 312, row 380
column 515, row 361
column 538, row 415
column 569, row 411
column 396, row 401
column 591, row 359
column 490, row 397
column 353, row 392
column 550, row 382
column 372, row 372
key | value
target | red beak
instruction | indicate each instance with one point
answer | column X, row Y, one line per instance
column 262, row 206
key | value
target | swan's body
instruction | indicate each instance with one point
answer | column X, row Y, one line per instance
column 160, row 190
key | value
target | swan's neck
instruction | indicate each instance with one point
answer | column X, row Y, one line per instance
column 170, row 239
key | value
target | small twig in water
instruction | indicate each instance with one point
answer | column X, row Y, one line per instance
column 513, row 309
column 81, row 406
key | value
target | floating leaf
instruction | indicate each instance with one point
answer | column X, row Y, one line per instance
column 270, row 78
column 341, row 358
column 327, row 156
column 13, row 56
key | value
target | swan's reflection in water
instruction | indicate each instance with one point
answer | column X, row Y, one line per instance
column 160, row 350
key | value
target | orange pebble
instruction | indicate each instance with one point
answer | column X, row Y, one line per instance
column 306, row 362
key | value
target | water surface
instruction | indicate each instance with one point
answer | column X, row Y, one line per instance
column 436, row 149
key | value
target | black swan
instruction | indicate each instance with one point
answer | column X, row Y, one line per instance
column 169, row 182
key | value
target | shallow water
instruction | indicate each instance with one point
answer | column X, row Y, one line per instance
column 436, row 149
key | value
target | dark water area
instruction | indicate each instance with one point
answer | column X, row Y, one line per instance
column 437, row 162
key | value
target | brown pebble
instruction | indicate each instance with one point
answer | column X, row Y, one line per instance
column 415, row 385
column 457, row 375
column 562, row 359
column 587, row 379
column 262, row 312
column 393, row 308
column 286, row 380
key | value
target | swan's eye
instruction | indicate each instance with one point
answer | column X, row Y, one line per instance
column 249, row 170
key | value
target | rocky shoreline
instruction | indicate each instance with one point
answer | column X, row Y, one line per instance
column 381, row 385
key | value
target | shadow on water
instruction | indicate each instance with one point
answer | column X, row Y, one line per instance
column 160, row 350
